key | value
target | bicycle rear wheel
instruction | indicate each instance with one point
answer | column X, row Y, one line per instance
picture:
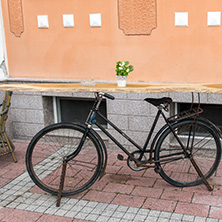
column 201, row 142
column 49, row 147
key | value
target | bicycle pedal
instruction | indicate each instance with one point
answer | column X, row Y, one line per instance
column 120, row 157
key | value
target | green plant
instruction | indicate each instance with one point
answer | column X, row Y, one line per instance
column 123, row 68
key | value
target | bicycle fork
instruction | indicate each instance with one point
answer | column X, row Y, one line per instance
column 64, row 165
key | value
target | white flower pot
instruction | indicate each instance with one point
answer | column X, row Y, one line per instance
column 121, row 81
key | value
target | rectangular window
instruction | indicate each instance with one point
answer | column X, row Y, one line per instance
column 77, row 109
column 210, row 111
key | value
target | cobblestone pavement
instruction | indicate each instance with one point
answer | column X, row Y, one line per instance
column 121, row 195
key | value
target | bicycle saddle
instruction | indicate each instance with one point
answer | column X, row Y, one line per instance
column 158, row 102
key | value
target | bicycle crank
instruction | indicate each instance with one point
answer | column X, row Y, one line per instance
column 137, row 166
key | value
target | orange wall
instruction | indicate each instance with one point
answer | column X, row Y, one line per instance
column 169, row 54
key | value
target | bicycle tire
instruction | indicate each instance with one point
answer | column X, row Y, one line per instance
column 45, row 154
column 206, row 151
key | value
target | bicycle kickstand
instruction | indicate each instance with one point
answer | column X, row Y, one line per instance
column 61, row 185
column 200, row 174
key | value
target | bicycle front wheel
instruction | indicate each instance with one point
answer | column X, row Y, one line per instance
column 49, row 147
column 201, row 143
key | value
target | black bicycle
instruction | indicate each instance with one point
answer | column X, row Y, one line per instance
column 67, row 158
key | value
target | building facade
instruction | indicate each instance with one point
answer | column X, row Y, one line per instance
column 166, row 41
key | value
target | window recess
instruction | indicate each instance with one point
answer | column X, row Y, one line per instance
column 76, row 109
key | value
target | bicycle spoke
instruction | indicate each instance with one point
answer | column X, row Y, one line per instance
column 52, row 147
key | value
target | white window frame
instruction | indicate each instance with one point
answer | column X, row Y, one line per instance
column 55, row 109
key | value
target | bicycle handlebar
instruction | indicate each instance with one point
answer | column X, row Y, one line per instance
column 108, row 96
column 101, row 94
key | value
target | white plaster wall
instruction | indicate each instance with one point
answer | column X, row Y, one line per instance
column 3, row 68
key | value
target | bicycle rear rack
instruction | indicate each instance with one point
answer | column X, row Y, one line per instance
column 186, row 114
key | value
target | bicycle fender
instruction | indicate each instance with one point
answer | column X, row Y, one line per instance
column 104, row 150
column 102, row 144
column 157, row 136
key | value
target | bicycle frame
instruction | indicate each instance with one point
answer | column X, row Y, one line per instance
column 92, row 120
column 159, row 152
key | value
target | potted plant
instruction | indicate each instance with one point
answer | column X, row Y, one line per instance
column 122, row 71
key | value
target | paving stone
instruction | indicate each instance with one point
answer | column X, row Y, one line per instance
column 81, row 203
column 51, row 210
column 11, row 198
column 112, row 207
column 163, row 220
column 132, row 210
column 38, row 202
column 129, row 216
column 71, row 214
column 4, row 196
column 122, row 208
column 125, row 220
column 102, row 218
column 41, row 209
column 20, row 199
column 29, row 201
column 35, row 195
column 76, row 208
column 92, row 217
column 12, row 205
column 4, row 203
column 160, row 205
column 215, row 212
column 129, row 200
column 211, row 220
column 176, row 216
column 92, row 204
column 60, row 212
column 165, row 214
column 22, row 206
column 151, row 219
column 115, row 220
column 81, row 215
column 97, row 211
column 107, row 213
column 32, row 208
column 140, row 217
column 200, row 219
column 188, row 217
column 10, row 192
column 143, row 211
column 118, row 214
column 174, row 220
column 49, row 203
column 154, row 213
